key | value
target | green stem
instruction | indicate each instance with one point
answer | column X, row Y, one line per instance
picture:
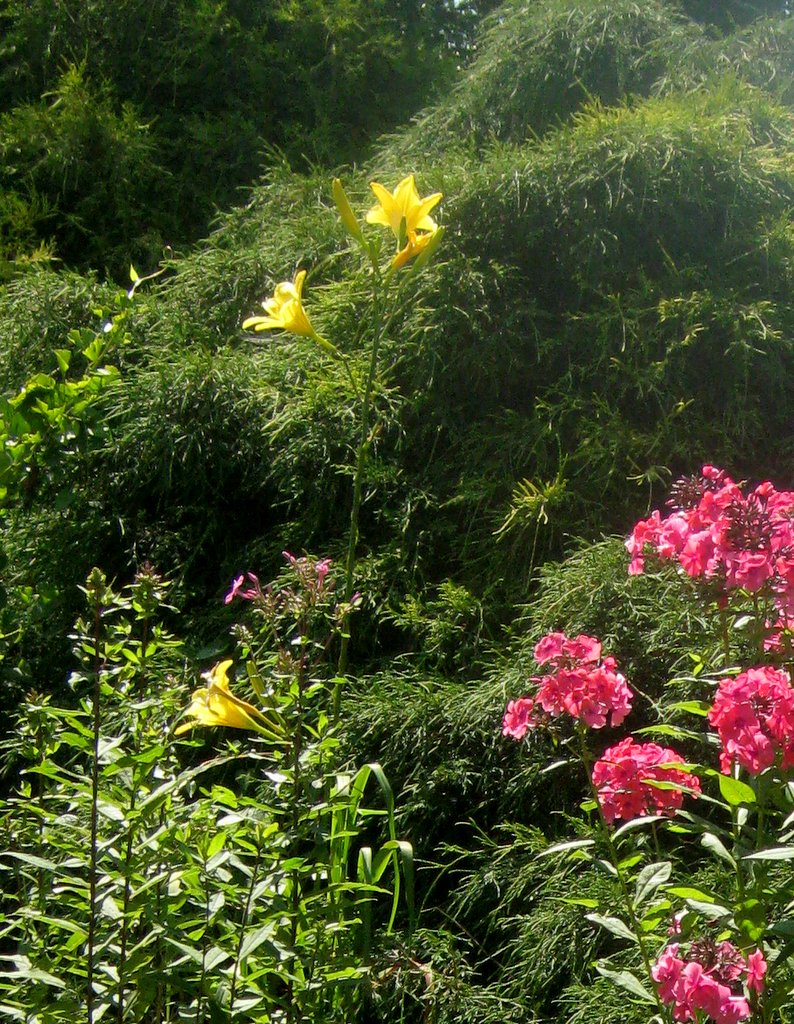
column 200, row 1014
column 584, row 753
column 758, row 625
column 736, row 854
column 358, row 486
column 92, row 869
column 246, row 914
column 131, row 831
column 726, row 640
column 297, row 746
column 655, row 837
column 39, row 796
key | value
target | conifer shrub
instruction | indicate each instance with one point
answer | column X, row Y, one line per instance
column 538, row 63
column 614, row 307
column 37, row 310
column 54, row 151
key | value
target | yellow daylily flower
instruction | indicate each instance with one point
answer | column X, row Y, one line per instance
column 215, row 704
column 285, row 310
column 403, row 203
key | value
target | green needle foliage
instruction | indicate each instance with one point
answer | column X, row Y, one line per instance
column 614, row 309
column 611, row 308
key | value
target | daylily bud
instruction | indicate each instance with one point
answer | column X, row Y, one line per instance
column 346, row 211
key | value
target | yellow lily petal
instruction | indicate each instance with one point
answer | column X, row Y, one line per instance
column 423, row 222
column 382, row 214
column 404, row 202
column 416, row 243
column 215, row 704
column 284, row 310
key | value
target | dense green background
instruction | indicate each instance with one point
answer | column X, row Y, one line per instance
column 612, row 307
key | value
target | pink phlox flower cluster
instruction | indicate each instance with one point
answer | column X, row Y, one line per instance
column 252, row 592
column 593, row 693
column 623, row 777
column 579, row 683
column 708, row 979
column 717, row 533
column 557, row 649
column 754, row 717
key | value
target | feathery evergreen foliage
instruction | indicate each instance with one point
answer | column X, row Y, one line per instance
column 611, row 307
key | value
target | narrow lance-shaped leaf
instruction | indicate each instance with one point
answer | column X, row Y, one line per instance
column 613, row 925
column 649, row 879
column 628, row 982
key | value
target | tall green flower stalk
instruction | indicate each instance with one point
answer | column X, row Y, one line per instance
column 95, row 591
column 297, row 870
column 417, row 236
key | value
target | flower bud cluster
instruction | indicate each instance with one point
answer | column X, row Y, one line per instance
column 312, row 584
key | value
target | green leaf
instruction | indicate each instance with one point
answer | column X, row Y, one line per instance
column 750, row 918
column 687, row 892
column 635, row 823
column 574, row 844
column 24, row 970
column 713, row 911
column 649, row 879
column 214, row 955
column 773, row 853
column 110, row 909
column 13, row 1012
column 692, row 707
column 30, row 858
column 134, row 275
column 253, row 940
column 735, row 792
column 64, row 357
column 710, row 842
column 613, row 925
column 109, row 810
column 673, row 731
column 626, row 980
